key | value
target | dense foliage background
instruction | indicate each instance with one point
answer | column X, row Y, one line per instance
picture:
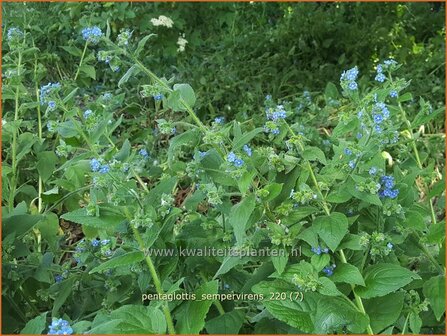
column 107, row 152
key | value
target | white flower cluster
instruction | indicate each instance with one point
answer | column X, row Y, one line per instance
column 181, row 42
column 162, row 21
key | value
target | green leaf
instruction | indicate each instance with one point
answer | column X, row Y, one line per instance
column 239, row 215
column 46, row 162
column 64, row 290
column 73, row 50
column 331, row 229
column 192, row 319
column 122, row 260
column 330, row 91
column 415, row 323
column 382, row 279
column 36, row 326
column 107, row 327
column 228, row 263
column 245, row 181
column 348, row 273
column 124, row 152
column 180, row 140
column 132, row 71
column 384, row 311
column 19, row 224
column 228, row 323
column 280, row 261
column 89, row 70
column 327, row 287
column 362, row 195
column 25, row 143
column 319, row 261
column 246, row 138
column 434, row 291
column 295, row 313
column 142, row 43
column 334, row 313
column 274, row 190
column 314, row 154
column 183, row 93
column 138, row 319
column 415, row 221
column 107, row 220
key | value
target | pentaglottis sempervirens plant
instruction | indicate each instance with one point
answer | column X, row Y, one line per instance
column 95, row 190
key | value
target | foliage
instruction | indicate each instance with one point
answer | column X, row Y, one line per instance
column 115, row 162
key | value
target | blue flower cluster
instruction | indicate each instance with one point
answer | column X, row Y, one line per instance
column 45, row 92
column 14, row 34
column 318, row 250
column 158, row 97
column 387, row 185
column 143, row 152
column 219, row 120
column 394, row 94
column 372, row 171
column 92, row 34
column 348, row 79
column 388, row 64
column 329, row 270
column 60, row 327
column 274, row 115
column 96, row 166
column 380, row 113
column 247, row 150
column 236, row 161
column 87, row 114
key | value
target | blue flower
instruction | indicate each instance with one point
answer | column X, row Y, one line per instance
column 390, row 62
column 380, row 77
column 352, row 86
column 238, row 163
column 87, row 114
column 202, row 154
column 158, row 97
column 105, row 242
column 351, row 164
column 275, row 131
column 95, row 242
column 347, row 151
column 318, row 250
column 219, row 120
column 104, row 169
column 92, row 34
column 247, row 150
column 390, row 246
column 46, row 90
column 268, row 97
column 350, row 75
column 387, row 181
column 378, row 118
column 60, row 327
column 359, row 135
column 378, row 129
column 107, row 96
column 58, row 278
column 379, row 68
column 95, row 165
column 14, row 34
column 143, row 152
column 393, row 94
column 231, row 157
column 329, row 270
column 372, row 171
column 51, row 105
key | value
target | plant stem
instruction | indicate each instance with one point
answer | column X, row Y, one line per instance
column 14, row 139
column 39, row 125
column 405, row 324
column 82, row 59
column 216, row 303
column 156, row 280
column 357, row 298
